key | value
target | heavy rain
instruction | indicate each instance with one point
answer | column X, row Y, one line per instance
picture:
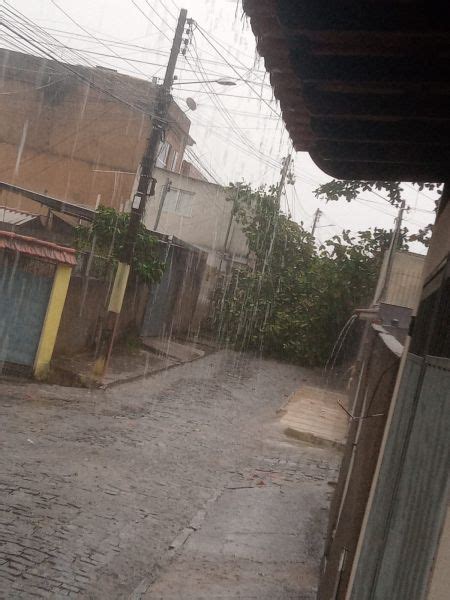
column 224, row 300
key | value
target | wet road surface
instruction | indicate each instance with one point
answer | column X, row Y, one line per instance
column 181, row 485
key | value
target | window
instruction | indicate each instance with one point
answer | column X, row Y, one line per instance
column 174, row 161
column 163, row 155
column 179, row 202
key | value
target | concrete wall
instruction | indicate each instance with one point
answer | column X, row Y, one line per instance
column 405, row 280
column 85, row 307
column 173, row 303
column 205, row 224
column 64, row 137
column 378, row 376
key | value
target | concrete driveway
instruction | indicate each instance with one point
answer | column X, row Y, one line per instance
column 177, row 486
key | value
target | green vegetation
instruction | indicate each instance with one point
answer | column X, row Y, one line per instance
column 392, row 191
column 109, row 229
column 295, row 298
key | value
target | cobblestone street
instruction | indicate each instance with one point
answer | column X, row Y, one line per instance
column 99, row 490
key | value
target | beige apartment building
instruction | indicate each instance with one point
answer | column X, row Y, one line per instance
column 79, row 136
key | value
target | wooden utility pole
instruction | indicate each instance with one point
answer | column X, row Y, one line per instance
column 145, row 188
column 284, row 174
column 317, row 216
column 393, row 247
column 280, row 188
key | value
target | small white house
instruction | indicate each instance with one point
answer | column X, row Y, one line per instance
column 199, row 213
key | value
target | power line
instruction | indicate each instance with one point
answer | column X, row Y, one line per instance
column 177, row 10
column 139, row 61
column 36, row 44
column 228, row 118
column 299, row 202
column 176, row 7
column 39, row 87
column 76, row 73
column 32, row 31
column 245, row 150
column 61, row 141
column 203, row 167
column 157, row 14
column 91, row 36
column 132, row 60
column 137, row 47
column 421, row 192
column 238, row 112
column 203, row 33
column 225, row 95
column 152, row 22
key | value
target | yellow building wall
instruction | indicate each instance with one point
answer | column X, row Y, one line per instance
column 52, row 320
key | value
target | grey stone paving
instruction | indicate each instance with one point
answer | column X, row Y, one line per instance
column 95, row 486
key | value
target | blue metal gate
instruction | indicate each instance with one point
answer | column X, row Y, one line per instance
column 25, row 286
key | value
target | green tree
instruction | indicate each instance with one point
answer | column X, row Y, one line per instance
column 293, row 299
column 110, row 231
column 392, row 191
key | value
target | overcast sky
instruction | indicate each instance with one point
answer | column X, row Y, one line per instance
column 238, row 130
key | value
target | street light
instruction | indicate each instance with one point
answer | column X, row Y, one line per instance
column 221, row 81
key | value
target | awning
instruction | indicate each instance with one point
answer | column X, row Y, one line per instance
column 63, row 206
column 38, row 248
column 14, row 216
column 364, row 87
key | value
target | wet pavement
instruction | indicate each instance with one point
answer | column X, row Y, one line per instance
column 181, row 485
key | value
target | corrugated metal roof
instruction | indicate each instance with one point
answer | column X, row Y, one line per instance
column 13, row 216
column 38, row 248
column 78, row 210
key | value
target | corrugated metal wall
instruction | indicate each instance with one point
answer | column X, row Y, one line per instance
column 411, row 495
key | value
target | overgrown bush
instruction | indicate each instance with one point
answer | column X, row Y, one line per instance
column 295, row 298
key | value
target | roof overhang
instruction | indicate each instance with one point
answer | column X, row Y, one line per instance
column 34, row 247
column 364, row 87
column 69, row 208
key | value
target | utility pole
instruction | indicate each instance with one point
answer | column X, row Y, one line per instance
column 280, row 188
column 398, row 226
column 284, row 174
column 145, row 188
column 317, row 216
column 393, row 246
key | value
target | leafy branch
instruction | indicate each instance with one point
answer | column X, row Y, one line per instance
column 109, row 229
column 335, row 190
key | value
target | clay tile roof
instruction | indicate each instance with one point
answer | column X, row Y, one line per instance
column 38, row 248
column 364, row 87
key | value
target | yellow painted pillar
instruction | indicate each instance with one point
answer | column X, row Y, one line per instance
column 119, row 288
column 114, row 309
column 52, row 320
